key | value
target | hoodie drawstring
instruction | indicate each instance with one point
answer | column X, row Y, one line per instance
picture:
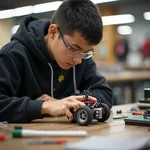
column 52, row 76
column 74, row 79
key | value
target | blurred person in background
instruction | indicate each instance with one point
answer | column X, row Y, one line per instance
column 121, row 48
column 145, row 48
column 145, row 51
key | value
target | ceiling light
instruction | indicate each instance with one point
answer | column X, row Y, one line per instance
column 6, row 14
column 118, row 19
column 124, row 30
column 102, row 1
column 22, row 11
column 146, row 15
column 45, row 7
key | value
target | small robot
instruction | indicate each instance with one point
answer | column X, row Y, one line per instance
column 85, row 114
column 146, row 114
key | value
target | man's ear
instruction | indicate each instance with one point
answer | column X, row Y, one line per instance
column 52, row 30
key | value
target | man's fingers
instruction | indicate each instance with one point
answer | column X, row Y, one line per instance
column 42, row 97
column 39, row 98
column 92, row 98
column 82, row 98
column 79, row 97
column 74, row 103
column 45, row 97
column 69, row 114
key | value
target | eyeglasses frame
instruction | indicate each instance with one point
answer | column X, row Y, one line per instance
column 78, row 52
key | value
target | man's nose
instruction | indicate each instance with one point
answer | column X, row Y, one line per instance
column 77, row 59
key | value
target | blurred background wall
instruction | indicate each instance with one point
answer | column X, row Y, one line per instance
column 108, row 61
column 105, row 50
column 5, row 31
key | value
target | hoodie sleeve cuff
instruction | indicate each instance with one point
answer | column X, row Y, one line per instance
column 34, row 109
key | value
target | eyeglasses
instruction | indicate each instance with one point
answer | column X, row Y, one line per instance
column 73, row 52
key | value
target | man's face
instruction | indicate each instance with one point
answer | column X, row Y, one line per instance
column 60, row 48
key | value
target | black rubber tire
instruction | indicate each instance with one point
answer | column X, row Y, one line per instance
column 106, row 113
column 83, row 115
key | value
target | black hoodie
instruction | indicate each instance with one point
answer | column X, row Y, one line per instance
column 27, row 72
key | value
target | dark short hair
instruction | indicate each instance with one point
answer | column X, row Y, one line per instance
column 82, row 16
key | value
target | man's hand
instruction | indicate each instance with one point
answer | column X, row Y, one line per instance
column 63, row 106
column 45, row 97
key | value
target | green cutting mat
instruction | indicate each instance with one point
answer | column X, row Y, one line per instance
column 137, row 120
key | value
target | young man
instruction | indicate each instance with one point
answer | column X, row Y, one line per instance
column 46, row 62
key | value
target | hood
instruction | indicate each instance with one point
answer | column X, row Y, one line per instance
column 31, row 34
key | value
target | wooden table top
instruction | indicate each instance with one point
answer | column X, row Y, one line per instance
column 138, row 68
column 126, row 76
column 111, row 128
